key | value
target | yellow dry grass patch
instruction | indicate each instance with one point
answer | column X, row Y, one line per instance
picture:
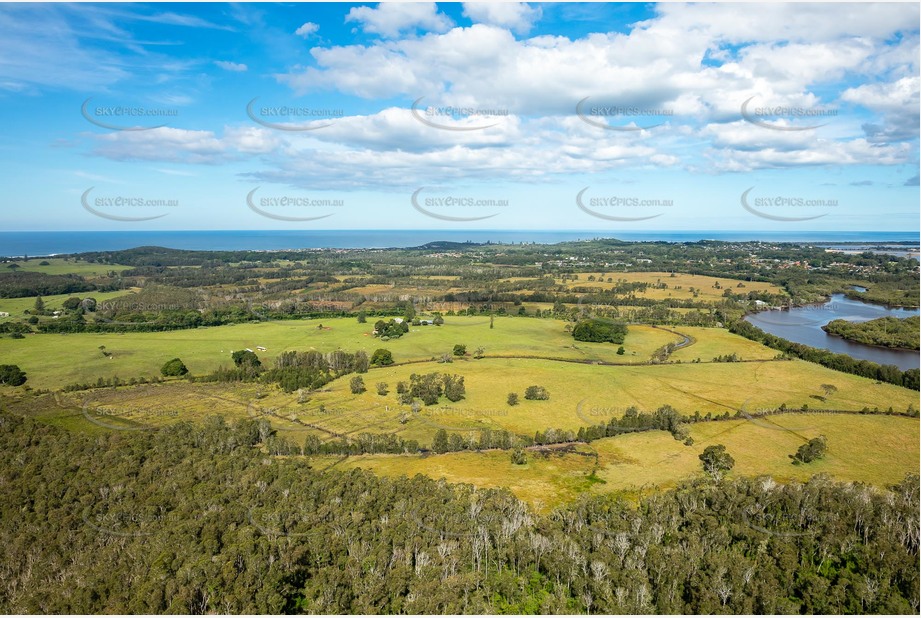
column 678, row 286
column 580, row 395
column 545, row 481
column 713, row 342
column 886, row 450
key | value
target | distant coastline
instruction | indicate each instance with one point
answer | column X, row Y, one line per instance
column 17, row 244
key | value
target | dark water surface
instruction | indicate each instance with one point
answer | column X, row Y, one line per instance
column 804, row 325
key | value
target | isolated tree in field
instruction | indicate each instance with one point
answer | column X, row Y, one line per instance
column 518, row 457
column 39, row 305
column 512, row 399
column 440, row 442
column 382, row 388
column 173, row 368
column 12, row 375
column 362, row 317
column 246, row 358
column 438, row 320
column 536, row 393
column 621, row 350
column 460, row 350
column 382, row 357
column 829, row 389
column 491, row 320
column 716, row 461
column 479, row 352
column 811, row 451
column 357, row 385
column 454, row 387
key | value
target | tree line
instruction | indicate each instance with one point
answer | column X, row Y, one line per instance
column 839, row 362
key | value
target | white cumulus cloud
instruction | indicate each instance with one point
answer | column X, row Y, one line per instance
column 389, row 19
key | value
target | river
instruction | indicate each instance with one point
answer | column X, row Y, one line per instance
column 804, row 325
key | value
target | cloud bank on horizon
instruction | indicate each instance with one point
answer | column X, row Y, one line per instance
column 672, row 116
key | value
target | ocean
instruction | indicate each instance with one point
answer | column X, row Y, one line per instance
column 18, row 244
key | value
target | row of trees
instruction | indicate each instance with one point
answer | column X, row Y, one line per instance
column 839, row 362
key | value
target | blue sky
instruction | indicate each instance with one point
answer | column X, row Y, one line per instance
column 553, row 116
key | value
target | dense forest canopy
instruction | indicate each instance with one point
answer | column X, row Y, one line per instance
column 196, row 519
column 887, row 332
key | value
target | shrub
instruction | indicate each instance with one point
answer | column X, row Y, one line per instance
column 357, row 384
column 460, row 350
column 382, row 357
column 811, row 451
column 538, row 393
column 12, row 375
column 243, row 358
column 512, row 399
column 174, row 367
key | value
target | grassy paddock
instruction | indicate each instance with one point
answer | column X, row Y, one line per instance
column 878, row 450
column 703, row 284
column 52, row 361
column 16, row 306
column 59, row 266
column 580, row 395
